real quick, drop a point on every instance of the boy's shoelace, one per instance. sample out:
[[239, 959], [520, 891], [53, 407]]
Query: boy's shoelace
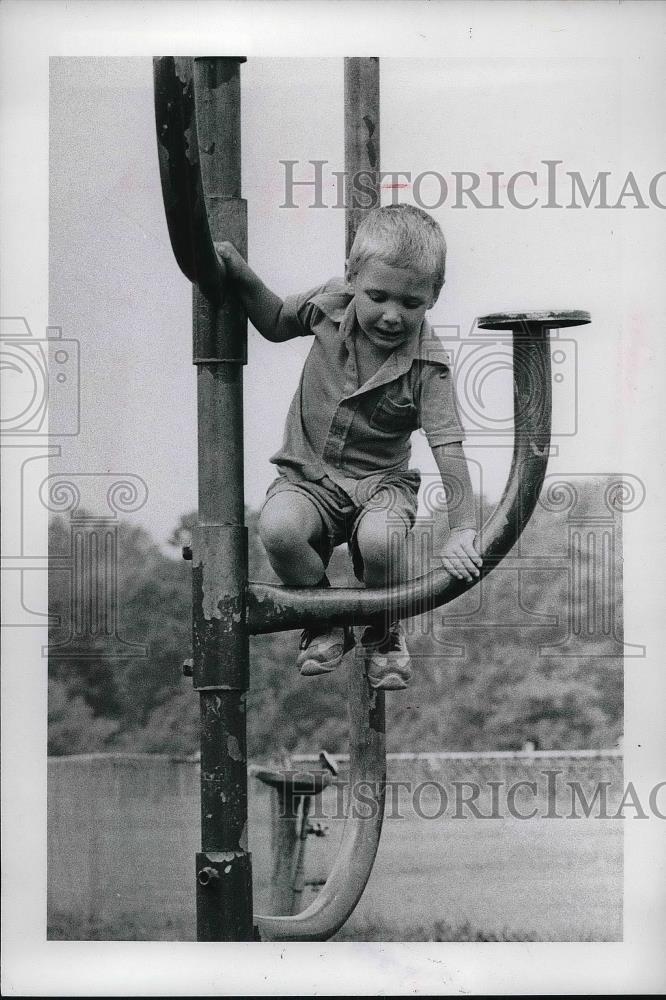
[[385, 643], [307, 635]]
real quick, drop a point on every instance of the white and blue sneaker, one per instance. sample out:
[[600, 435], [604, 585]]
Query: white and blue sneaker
[[321, 651], [387, 661]]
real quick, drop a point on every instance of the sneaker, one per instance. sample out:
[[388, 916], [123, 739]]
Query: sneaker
[[387, 661], [322, 651]]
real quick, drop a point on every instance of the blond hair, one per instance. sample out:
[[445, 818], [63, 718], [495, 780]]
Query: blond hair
[[402, 236]]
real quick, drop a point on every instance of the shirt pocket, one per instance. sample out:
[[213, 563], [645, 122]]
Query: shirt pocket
[[394, 415]]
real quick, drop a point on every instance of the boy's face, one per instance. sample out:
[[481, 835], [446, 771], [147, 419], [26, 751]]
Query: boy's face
[[391, 302]]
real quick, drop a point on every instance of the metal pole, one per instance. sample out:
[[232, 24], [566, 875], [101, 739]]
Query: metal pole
[[298, 883], [367, 765], [219, 544], [285, 845], [362, 163]]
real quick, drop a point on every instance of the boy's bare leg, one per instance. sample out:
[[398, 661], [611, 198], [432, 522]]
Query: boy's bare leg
[[290, 527], [382, 545], [381, 542]]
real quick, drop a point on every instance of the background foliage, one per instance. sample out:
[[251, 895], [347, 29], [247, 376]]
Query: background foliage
[[494, 693]]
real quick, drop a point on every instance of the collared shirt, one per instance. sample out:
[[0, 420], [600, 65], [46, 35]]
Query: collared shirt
[[356, 434]]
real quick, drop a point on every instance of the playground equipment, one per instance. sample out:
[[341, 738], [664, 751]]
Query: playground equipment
[[197, 104], [293, 794]]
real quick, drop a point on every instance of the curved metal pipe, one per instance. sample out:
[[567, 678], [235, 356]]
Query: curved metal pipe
[[180, 174], [272, 608], [275, 608], [363, 826]]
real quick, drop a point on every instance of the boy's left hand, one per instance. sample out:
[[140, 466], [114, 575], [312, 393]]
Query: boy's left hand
[[459, 555]]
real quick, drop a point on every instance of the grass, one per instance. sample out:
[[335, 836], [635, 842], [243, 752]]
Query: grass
[[65, 927], [439, 930], [122, 841]]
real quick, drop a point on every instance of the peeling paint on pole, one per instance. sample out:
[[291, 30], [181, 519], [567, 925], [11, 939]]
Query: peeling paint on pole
[[219, 640]]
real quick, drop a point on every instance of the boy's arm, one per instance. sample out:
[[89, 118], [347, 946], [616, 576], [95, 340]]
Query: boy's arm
[[262, 306], [459, 556]]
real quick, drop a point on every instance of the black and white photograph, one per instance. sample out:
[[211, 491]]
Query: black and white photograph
[[332, 498]]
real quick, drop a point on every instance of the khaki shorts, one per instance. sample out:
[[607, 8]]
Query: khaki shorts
[[396, 493]]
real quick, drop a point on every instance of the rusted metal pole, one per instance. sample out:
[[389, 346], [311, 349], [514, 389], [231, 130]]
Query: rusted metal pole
[[180, 173], [360, 839], [362, 151], [219, 543], [285, 847], [367, 751], [298, 883], [290, 789], [365, 707]]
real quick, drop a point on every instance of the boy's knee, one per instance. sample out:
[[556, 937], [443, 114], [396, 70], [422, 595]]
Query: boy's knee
[[374, 541], [381, 545], [275, 531], [281, 528]]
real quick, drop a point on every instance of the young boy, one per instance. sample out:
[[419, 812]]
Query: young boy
[[373, 375]]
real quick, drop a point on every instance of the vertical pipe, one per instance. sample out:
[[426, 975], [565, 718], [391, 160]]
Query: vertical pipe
[[285, 846], [298, 883], [366, 708], [362, 151], [362, 147], [219, 544]]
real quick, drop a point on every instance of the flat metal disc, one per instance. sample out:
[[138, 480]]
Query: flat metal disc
[[556, 319], [297, 782]]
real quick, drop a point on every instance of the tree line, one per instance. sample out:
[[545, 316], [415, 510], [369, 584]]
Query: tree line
[[481, 679]]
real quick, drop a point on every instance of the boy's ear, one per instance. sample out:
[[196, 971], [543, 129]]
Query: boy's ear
[[435, 296]]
